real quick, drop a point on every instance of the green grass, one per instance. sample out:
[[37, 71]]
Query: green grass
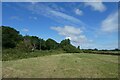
[[70, 65]]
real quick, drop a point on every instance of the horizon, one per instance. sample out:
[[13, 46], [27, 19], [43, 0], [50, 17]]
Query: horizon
[[71, 20]]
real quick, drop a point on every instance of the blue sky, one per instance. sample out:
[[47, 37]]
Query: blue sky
[[88, 24]]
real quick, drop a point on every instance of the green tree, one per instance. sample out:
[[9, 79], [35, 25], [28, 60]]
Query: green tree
[[96, 49], [27, 43], [78, 47], [34, 42], [51, 44], [64, 43], [71, 49], [31, 42], [10, 37], [68, 47], [42, 44]]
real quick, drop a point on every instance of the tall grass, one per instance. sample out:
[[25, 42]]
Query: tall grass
[[13, 54]]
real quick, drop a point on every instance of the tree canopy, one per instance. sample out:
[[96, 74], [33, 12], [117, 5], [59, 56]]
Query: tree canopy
[[51, 44], [10, 37], [13, 39]]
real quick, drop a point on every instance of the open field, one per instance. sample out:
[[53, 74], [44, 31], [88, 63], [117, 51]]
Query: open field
[[70, 65]]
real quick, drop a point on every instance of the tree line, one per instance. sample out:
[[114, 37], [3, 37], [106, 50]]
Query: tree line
[[17, 46], [11, 38]]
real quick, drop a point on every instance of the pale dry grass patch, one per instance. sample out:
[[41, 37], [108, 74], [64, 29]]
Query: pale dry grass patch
[[70, 65]]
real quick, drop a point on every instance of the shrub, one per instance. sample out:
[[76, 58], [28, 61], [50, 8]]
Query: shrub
[[71, 49]]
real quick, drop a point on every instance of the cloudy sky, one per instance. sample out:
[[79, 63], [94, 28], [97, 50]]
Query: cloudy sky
[[88, 24]]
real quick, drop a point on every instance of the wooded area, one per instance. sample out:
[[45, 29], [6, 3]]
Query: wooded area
[[13, 39], [13, 43]]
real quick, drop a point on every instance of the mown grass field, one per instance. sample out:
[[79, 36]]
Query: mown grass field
[[70, 65]]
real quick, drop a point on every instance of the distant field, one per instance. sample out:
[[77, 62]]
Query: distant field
[[70, 65]]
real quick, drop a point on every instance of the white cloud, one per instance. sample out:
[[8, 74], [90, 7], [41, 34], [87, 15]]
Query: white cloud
[[110, 24], [25, 30], [67, 30], [78, 12], [97, 6], [66, 17], [54, 14], [79, 39], [72, 33]]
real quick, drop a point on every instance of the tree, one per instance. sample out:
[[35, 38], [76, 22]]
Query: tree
[[51, 44], [64, 43], [31, 42], [116, 49], [42, 44], [27, 43], [68, 47], [78, 47], [34, 42], [10, 37], [96, 49]]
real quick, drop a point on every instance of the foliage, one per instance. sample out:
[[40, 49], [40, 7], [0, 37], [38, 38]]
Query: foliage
[[42, 44], [68, 47], [10, 37], [64, 43], [35, 42], [78, 47], [13, 54], [16, 46], [51, 44]]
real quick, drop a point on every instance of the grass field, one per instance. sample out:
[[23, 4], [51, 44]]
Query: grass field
[[70, 65]]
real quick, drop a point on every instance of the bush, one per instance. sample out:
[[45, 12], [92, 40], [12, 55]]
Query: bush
[[13, 54], [71, 49], [10, 54], [87, 51]]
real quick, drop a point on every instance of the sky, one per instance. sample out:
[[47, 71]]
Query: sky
[[86, 24]]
